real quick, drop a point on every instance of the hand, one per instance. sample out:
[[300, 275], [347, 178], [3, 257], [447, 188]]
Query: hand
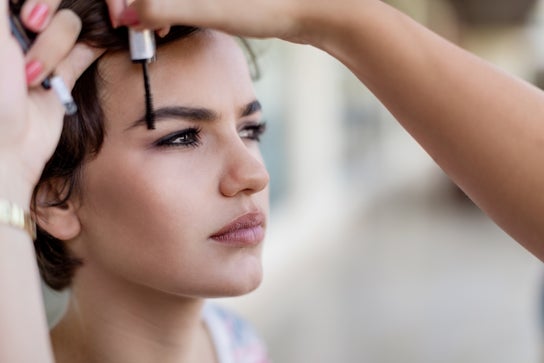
[[258, 18], [31, 118]]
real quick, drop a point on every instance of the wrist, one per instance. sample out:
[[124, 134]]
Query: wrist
[[362, 34], [17, 216], [325, 23], [14, 186], [15, 198]]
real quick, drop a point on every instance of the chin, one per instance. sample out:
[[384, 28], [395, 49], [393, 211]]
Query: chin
[[245, 289], [243, 284], [242, 276]]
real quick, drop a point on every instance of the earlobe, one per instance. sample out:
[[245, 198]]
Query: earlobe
[[53, 214]]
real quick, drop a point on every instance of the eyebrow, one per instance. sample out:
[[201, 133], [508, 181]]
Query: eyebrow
[[196, 114]]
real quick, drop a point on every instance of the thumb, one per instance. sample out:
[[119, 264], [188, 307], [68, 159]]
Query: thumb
[[77, 61]]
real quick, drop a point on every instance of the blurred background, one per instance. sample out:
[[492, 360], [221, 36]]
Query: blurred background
[[372, 254]]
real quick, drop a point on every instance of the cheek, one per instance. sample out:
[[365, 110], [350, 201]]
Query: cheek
[[147, 225], [136, 189], [148, 221]]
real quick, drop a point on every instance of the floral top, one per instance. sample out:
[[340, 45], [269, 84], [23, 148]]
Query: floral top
[[234, 339]]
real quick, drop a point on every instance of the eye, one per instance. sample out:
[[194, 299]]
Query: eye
[[185, 138], [253, 131]]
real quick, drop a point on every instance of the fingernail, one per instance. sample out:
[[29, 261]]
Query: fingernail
[[36, 18], [129, 17], [114, 22], [33, 70], [162, 32]]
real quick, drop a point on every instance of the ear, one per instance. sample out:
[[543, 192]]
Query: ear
[[60, 220]]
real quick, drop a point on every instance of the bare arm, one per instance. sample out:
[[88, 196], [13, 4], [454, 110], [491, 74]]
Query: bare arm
[[30, 125], [24, 335], [483, 127]]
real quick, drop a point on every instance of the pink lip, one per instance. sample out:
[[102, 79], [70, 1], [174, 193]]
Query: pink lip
[[247, 230]]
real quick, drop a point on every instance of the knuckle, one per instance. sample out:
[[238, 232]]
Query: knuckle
[[70, 21], [149, 11]]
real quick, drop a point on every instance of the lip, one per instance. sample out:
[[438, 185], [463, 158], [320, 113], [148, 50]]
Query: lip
[[246, 230]]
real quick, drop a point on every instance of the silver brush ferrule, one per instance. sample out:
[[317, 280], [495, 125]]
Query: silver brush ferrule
[[142, 45]]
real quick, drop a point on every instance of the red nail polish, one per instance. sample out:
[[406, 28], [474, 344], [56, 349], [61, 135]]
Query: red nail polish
[[36, 18], [33, 70], [129, 17]]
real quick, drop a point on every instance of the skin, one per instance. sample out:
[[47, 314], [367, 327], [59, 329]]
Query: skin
[[482, 126], [487, 137], [145, 214], [28, 143], [30, 125]]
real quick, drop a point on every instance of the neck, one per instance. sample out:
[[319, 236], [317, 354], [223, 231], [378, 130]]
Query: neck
[[120, 322]]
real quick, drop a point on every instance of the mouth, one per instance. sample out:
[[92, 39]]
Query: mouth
[[247, 230]]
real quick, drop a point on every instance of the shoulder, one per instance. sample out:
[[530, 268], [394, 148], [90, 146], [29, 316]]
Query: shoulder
[[235, 339]]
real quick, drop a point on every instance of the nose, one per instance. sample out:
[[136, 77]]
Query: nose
[[244, 171]]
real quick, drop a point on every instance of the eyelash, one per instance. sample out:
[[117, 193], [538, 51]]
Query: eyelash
[[191, 137], [186, 138], [253, 131]]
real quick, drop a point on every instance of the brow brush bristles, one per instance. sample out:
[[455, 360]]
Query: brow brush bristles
[[149, 111], [142, 50]]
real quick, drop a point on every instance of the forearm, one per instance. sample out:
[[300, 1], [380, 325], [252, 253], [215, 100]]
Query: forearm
[[23, 327], [482, 126]]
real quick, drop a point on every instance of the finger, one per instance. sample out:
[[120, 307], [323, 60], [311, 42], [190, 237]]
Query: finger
[[154, 14], [115, 7], [162, 32], [37, 14], [77, 61], [4, 31], [231, 17], [52, 45]]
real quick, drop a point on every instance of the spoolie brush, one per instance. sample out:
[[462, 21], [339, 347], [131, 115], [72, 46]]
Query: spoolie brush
[[149, 111], [142, 50]]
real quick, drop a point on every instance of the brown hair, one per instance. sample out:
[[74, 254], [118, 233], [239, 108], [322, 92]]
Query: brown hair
[[82, 135]]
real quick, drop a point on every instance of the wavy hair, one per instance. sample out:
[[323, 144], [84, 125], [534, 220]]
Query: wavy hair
[[82, 135]]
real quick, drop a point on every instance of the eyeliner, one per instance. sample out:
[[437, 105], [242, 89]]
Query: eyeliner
[[51, 81]]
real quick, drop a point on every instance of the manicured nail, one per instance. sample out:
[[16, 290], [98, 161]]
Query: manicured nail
[[162, 32], [38, 15], [129, 17], [33, 70]]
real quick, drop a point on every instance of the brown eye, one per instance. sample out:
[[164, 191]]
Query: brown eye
[[253, 131], [188, 137]]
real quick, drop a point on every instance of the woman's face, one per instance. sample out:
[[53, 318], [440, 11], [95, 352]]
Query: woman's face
[[180, 209]]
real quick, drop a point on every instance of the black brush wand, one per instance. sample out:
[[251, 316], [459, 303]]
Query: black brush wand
[[142, 50]]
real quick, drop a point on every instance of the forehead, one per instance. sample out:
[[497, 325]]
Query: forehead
[[207, 68]]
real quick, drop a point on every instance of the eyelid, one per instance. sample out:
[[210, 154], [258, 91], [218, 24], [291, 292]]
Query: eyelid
[[257, 129], [191, 133]]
